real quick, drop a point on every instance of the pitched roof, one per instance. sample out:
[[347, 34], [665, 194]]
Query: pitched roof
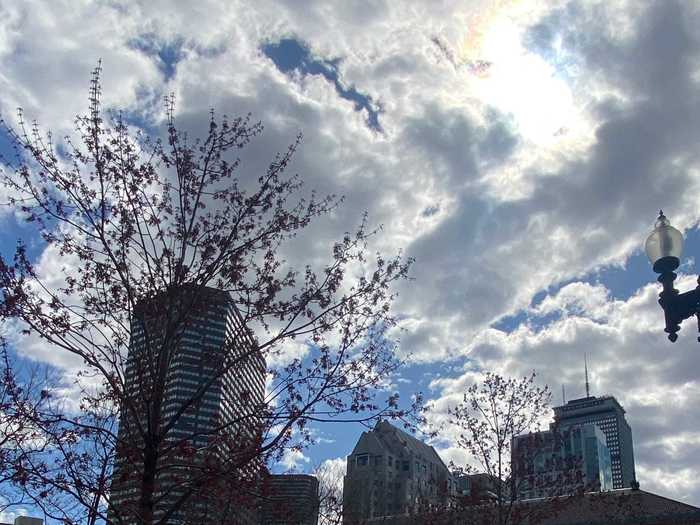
[[386, 437]]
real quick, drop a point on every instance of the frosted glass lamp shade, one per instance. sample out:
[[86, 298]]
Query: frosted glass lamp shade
[[664, 246]]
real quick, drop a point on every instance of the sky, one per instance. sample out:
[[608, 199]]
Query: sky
[[518, 150]]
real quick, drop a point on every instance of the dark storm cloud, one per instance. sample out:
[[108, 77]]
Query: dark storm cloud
[[459, 287], [318, 160], [498, 145], [463, 286], [448, 137]]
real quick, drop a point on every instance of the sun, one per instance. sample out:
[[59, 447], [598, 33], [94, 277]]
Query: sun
[[520, 83]]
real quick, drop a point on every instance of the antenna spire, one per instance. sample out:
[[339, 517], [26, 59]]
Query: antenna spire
[[585, 367], [563, 394]]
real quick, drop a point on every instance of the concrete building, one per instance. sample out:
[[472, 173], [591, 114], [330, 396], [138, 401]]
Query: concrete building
[[608, 415], [391, 472], [24, 520], [560, 462], [193, 342], [290, 499], [475, 489]]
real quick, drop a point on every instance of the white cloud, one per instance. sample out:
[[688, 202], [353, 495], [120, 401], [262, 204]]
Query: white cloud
[[8, 516], [53, 64], [286, 352], [628, 357], [331, 472], [577, 298], [495, 203], [293, 459]]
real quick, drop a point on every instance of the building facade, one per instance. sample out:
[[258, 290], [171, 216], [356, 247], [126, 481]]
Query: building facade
[[559, 462], [391, 472], [194, 365], [290, 499], [475, 489], [24, 520], [608, 415]]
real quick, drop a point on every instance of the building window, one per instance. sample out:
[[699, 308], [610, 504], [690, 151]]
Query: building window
[[362, 460]]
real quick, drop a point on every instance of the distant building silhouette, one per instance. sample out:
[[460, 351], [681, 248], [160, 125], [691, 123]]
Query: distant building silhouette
[[290, 499], [391, 472], [24, 520], [608, 415], [475, 489]]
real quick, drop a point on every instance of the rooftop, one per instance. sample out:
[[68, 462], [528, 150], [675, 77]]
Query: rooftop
[[589, 402], [386, 436]]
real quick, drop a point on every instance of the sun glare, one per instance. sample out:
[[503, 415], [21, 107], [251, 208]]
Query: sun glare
[[521, 84]]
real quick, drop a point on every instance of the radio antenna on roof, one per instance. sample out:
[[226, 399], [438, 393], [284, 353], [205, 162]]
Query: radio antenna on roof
[[585, 367]]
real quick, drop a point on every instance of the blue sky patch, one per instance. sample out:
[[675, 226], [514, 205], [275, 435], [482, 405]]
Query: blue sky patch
[[290, 55], [622, 282], [166, 54]]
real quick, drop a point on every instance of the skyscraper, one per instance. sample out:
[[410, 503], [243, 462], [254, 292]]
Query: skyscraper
[[195, 373], [391, 472], [608, 415]]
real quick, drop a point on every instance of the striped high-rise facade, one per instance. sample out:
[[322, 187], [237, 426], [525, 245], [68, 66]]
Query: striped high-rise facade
[[290, 499], [194, 364]]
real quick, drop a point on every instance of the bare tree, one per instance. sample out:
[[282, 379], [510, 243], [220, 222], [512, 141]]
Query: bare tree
[[330, 492], [491, 415], [22, 404], [149, 231]]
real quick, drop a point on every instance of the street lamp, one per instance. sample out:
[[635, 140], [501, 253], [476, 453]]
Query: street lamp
[[664, 247]]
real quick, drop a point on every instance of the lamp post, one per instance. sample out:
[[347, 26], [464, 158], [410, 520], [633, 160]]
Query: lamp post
[[664, 247]]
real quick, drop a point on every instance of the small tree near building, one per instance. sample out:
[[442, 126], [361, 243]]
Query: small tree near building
[[491, 415], [330, 492]]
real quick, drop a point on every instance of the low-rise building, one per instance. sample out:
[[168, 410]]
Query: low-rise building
[[290, 499], [475, 489], [25, 520]]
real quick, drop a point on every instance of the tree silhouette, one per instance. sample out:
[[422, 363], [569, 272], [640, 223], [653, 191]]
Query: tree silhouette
[[145, 232], [330, 487], [492, 414]]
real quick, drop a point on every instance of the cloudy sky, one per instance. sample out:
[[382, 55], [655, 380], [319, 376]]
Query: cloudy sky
[[519, 150]]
